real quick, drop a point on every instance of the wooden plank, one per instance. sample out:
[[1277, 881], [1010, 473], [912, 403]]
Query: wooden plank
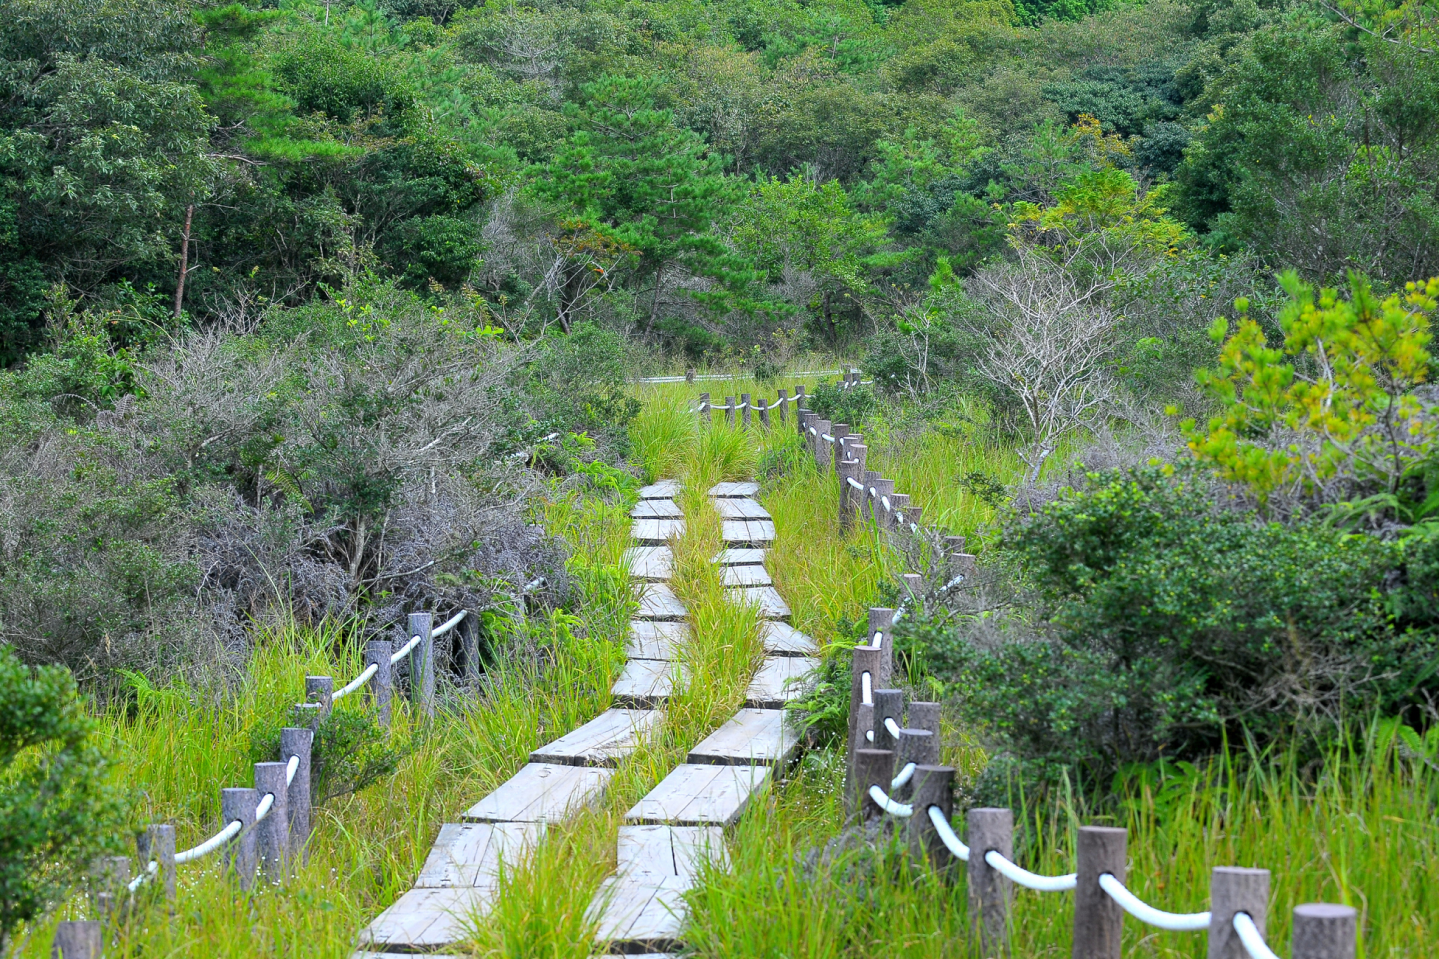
[[739, 556], [759, 737], [423, 920], [656, 509], [656, 532], [740, 509], [603, 741], [640, 913], [650, 562], [780, 679], [541, 792], [679, 851], [755, 532], [734, 489], [745, 576], [656, 639], [658, 601], [470, 854], [770, 603], [646, 683], [695, 794], [367, 954], [782, 639], [664, 489]]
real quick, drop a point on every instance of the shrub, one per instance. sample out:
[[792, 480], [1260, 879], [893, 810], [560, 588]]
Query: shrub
[[840, 405]]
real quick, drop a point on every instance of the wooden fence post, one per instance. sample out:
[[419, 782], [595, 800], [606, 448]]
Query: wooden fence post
[[321, 690], [298, 742], [109, 877], [800, 399], [839, 431], [272, 834], [1233, 889], [783, 402], [912, 516], [422, 663], [898, 504], [857, 453], [918, 746], [990, 893], [933, 786], [880, 621], [78, 940], [1323, 930], [872, 767], [926, 716], [869, 506], [729, 411], [378, 653], [157, 843], [846, 471], [240, 852], [865, 659], [821, 447], [888, 704], [467, 637], [744, 409], [1098, 920], [764, 413], [706, 414], [883, 517]]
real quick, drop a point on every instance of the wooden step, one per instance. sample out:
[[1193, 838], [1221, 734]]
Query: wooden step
[[658, 601], [471, 853], [750, 532], [664, 489], [782, 639], [759, 737], [740, 509], [650, 562], [700, 794], [541, 792], [426, 920], [656, 639], [656, 532], [646, 683], [603, 741], [656, 509], [745, 576], [766, 599], [734, 489], [678, 851], [780, 679], [739, 556], [642, 905]]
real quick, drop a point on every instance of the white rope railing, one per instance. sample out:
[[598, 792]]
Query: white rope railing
[[898, 809], [146, 875], [891, 726], [356, 683], [450, 624], [209, 845], [404, 650], [262, 809], [854, 483], [1145, 913], [1030, 880], [952, 842], [866, 687], [905, 775], [1251, 938]]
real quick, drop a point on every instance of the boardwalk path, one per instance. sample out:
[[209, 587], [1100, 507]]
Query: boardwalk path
[[670, 832]]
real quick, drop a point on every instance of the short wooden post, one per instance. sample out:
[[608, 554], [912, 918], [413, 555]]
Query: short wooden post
[[888, 704], [865, 659], [899, 505], [783, 402], [1324, 930], [1233, 889], [839, 431], [378, 653], [912, 516], [932, 786], [729, 411], [690, 374], [990, 893], [918, 746], [845, 470], [744, 405], [953, 544], [298, 742], [801, 401], [925, 716], [240, 853], [872, 767], [763, 410], [422, 664], [157, 844], [857, 453], [308, 715], [467, 640], [1098, 920], [109, 876], [883, 515], [881, 618], [821, 445], [869, 505], [272, 834], [321, 689], [706, 414], [78, 940], [913, 585]]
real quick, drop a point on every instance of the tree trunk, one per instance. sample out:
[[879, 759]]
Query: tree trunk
[[655, 300], [184, 261]]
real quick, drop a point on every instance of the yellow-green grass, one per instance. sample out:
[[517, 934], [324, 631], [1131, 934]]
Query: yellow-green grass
[[180, 745]]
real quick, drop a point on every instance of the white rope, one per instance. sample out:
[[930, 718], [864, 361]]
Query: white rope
[[404, 650], [1030, 880], [1249, 935], [877, 638], [889, 805], [873, 492], [826, 437], [450, 624], [813, 431], [209, 845], [946, 834], [148, 873], [891, 726], [263, 807], [357, 682], [855, 483], [905, 775], [866, 689], [1145, 913], [885, 501], [291, 769]]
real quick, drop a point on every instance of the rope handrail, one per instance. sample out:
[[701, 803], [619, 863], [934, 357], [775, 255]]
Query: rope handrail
[[356, 683], [881, 800], [947, 835], [854, 483], [905, 775], [1145, 913], [209, 845], [450, 624], [1030, 880], [891, 726], [1251, 938], [404, 650], [866, 689]]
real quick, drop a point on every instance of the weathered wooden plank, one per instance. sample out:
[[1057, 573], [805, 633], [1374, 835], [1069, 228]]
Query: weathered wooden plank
[[656, 509], [664, 489], [745, 576], [656, 639], [541, 792], [650, 562], [782, 639], [734, 489], [767, 599], [658, 601], [647, 683], [679, 851], [759, 737], [367, 954], [470, 854], [603, 741], [696, 794], [640, 912], [739, 556], [751, 531], [656, 532], [423, 920], [779, 680], [740, 509]]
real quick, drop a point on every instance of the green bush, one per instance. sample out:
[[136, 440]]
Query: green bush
[[838, 405]]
